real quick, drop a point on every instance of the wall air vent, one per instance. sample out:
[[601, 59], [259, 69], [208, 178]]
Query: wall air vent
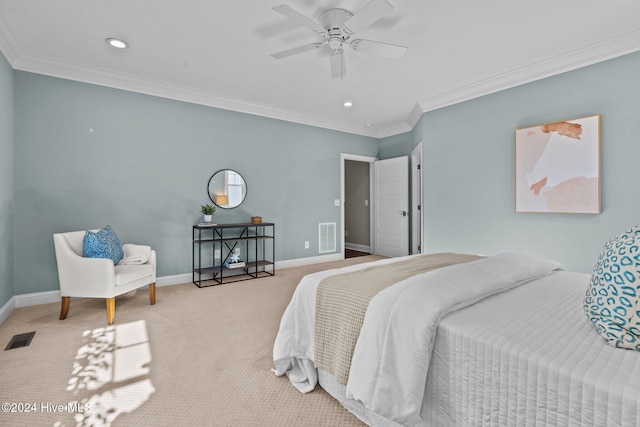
[[20, 340], [327, 237]]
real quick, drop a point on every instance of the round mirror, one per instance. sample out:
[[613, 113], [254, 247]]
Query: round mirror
[[227, 188]]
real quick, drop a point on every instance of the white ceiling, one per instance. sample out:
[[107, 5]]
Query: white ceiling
[[217, 52]]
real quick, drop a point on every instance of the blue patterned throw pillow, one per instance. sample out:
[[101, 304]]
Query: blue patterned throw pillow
[[612, 301], [102, 244]]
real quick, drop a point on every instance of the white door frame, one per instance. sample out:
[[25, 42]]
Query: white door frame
[[358, 158], [417, 220]]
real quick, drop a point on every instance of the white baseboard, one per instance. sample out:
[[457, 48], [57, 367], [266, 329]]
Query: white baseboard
[[176, 279], [37, 298], [47, 297], [6, 309], [356, 247], [26, 300], [309, 260]]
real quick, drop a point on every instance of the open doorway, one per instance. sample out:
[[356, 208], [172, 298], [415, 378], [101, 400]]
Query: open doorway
[[375, 217], [356, 176], [357, 212]]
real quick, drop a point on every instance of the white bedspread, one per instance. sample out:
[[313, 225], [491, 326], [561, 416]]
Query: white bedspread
[[530, 357], [391, 359]]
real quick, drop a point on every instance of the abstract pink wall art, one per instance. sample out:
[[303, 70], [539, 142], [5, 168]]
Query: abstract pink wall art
[[558, 167]]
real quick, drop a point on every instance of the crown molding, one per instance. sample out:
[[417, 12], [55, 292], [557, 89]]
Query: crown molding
[[603, 50], [101, 77], [114, 80], [396, 130], [8, 45], [415, 115]]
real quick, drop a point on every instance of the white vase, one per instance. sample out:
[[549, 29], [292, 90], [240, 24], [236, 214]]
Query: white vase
[[208, 218]]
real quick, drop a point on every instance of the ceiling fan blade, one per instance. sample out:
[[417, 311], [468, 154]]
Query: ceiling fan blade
[[299, 18], [379, 48], [295, 50], [338, 66], [369, 14]]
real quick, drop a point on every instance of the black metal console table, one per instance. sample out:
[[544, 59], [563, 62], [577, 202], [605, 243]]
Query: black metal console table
[[214, 245]]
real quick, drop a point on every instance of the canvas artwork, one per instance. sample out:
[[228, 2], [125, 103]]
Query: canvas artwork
[[558, 167]]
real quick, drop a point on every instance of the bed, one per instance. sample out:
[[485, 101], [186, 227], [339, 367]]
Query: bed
[[501, 340]]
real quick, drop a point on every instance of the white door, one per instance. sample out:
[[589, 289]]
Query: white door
[[391, 218]]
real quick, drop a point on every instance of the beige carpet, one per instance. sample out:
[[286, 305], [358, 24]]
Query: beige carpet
[[199, 357]]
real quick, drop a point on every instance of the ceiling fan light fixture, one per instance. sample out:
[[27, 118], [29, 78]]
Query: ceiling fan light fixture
[[117, 43], [336, 26]]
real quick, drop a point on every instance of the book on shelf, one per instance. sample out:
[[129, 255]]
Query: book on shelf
[[207, 224], [239, 264]]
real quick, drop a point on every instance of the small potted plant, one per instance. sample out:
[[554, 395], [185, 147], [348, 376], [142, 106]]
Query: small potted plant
[[207, 211]]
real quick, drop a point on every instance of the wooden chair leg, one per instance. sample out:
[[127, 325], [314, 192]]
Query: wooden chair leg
[[111, 310], [152, 293], [64, 309]]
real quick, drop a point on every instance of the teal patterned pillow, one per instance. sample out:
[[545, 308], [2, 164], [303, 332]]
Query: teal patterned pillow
[[612, 301], [102, 244]]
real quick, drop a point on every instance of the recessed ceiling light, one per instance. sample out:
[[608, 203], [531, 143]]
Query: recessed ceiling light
[[369, 124], [348, 104], [120, 44]]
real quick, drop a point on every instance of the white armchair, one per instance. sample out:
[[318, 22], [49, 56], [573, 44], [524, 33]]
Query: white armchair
[[98, 277]]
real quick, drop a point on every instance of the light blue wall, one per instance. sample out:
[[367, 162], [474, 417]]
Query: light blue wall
[[87, 156], [6, 181], [468, 150], [396, 146]]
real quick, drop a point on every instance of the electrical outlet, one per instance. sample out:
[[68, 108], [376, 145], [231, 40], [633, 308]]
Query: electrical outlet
[[216, 253], [306, 245], [236, 251]]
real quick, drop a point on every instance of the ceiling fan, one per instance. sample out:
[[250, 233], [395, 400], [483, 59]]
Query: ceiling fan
[[336, 27]]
